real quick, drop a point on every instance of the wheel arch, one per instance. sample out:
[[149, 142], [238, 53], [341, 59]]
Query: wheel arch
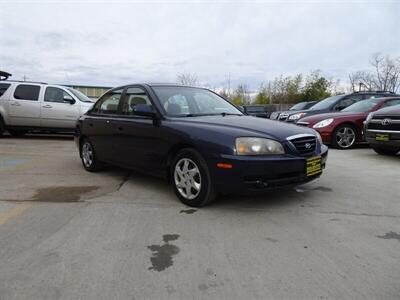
[[175, 149], [352, 124], [81, 138]]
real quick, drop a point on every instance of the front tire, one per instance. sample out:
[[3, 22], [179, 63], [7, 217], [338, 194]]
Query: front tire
[[89, 157], [191, 179], [383, 151], [344, 137]]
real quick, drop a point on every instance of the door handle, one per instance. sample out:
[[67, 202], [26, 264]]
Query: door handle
[[15, 104], [47, 106], [108, 121], [91, 124], [120, 129]]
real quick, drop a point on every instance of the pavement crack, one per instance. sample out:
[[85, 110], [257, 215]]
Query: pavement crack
[[124, 180]]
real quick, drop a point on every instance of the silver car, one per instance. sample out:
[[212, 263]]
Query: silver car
[[31, 106]]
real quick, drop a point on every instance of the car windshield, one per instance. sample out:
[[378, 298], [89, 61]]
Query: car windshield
[[82, 97], [362, 106], [298, 106], [187, 101], [326, 103]]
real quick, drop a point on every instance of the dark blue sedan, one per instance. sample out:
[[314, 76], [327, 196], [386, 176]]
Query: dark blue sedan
[[197, 140]]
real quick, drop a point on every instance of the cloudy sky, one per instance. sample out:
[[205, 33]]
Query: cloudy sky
[[117, 42]]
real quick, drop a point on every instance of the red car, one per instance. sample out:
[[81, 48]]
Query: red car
[[344, 129]]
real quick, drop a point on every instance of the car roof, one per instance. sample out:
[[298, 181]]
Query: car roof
[[146, 84], [372, 92], [23, 81]]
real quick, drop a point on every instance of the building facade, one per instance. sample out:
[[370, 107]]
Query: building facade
[[93, 92]]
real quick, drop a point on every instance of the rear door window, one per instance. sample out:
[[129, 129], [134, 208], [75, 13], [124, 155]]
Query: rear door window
[[27, 92], [3, 88]]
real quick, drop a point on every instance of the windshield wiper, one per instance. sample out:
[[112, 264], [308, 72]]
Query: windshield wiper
[[229, 114], [210, 114]]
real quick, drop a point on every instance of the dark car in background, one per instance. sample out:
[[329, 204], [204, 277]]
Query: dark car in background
[[282, 115], [344, 129], [382, 130], [255, 110], [336, 103], [197, 140]]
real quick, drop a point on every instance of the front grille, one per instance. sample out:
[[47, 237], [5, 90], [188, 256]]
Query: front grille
[[304, 145], [283, 117], [393, 125]]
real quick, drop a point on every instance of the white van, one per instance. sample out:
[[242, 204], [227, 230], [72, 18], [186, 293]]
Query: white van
[[30, 106]]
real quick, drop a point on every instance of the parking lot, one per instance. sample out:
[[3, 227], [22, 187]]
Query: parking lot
[[69, 234]]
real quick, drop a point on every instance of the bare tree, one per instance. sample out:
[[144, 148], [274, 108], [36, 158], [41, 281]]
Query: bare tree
[[387, 72], [189, 79], [384, 77], [362, 80]]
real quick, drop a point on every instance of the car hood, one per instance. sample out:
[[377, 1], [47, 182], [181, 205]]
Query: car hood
[[287, 111], [247, 126], [392, 110], [334, 115]]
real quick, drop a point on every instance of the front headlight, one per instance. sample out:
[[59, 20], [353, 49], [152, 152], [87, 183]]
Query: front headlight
[[323, 123], [257, 146], [297, 116]]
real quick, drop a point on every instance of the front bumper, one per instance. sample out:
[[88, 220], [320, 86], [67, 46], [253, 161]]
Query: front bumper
[[257, 174], [392, 143]]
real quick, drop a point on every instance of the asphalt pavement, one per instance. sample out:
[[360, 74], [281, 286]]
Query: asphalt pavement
[[69, 234]]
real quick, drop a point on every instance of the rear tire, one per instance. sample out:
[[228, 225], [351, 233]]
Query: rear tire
[[2, 127], [344, 137], [191, 179], [17, 132], [383, 151], [89, 157]]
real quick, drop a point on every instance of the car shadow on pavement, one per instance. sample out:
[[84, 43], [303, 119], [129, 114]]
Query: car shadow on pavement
[[158, 191], [268, 199], [139, 187]]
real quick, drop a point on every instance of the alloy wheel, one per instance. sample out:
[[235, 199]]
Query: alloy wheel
[[87, 154], [187, 178], [345, 137]]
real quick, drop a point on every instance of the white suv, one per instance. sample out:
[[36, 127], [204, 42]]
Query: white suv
[[29, 106]]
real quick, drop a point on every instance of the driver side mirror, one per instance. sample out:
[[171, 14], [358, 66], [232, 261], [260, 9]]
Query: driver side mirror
[[144, 110], [69, 99]]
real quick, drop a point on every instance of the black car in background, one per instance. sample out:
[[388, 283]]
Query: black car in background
[[382, 130], [197, 140], [282, 115], [255, 110], [336, 103]]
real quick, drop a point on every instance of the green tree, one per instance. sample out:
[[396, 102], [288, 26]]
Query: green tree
[[317, 87], [241, 95], [262, 96]]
